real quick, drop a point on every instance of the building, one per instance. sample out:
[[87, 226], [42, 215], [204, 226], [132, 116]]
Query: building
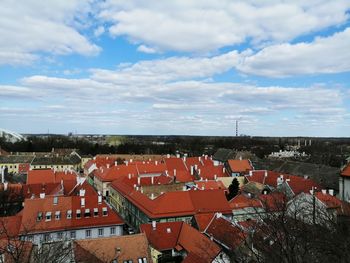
[[344, 183], [57, 162], [177, 241], [136, 207], [55, 218], [239, 167], [15, 163], [131, 248]]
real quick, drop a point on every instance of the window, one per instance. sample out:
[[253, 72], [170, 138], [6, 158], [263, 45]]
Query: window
[[88, 233], [100, 232], [48, 216], [112, 230], [87, 213], [142, 260], [78, 213], [60, 235], [58, 215], [47, 237], [127, 261], [104, 211], [40, 216], [95, 211], [30, 238], [72, 234], [69, 214]]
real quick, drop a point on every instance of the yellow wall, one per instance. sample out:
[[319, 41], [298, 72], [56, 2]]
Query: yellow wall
[[61, 168], [12, 167]]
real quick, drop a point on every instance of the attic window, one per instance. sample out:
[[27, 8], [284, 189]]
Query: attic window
[[104, 211], [40, 216], [58, 215], [87, 212], [95, 211], [69, 214], [78, 213], [55, 200], [48, 216], [142, 260]]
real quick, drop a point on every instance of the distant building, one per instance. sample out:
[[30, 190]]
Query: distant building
[[344, 184], [239, 167]]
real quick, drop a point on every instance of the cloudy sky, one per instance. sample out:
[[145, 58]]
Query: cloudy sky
[[282, 68]]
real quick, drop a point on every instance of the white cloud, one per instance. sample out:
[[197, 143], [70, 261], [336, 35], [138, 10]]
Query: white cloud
[[29, 27], [201, 26], [99, 31], [323, 55], [146, 49]]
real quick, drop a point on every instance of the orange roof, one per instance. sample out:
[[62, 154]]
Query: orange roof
[[125, 248], [10, 226], [32, 207], [181, 236], [203, 220], [346, 171], [164, 236], [240, 166], [180, 203], [109, 174], [275, 201], [226, 233], [100, 161], [210, 184], [49, 176], [242, 201]]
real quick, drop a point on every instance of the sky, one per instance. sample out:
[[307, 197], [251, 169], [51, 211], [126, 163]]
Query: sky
[[179, 67]]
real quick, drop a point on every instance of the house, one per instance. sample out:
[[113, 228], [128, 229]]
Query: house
[[344, 183], [170, 203], [57, 162], [55, 218], [222, 155], [44, 176], [230, 236], [239, 167], [318, 207], [131, 248], [174, 241], [17, 164]]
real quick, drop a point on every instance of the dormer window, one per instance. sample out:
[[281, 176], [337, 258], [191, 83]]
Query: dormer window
[[78, 213], [40, 216], [69, 214], [104, 211], [95, 211], [87, 212], [48, 216], [58, 215]]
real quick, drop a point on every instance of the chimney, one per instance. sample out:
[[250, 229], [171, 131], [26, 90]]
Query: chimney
[[82, 192], [203, 187], [115, 163], [154, 225], [99, 199], [206, 157], [168, 156], [82, 201], [192, 170], [5, 186], [324, 191], [3, 175], [240, 158], [223, 170], [265, 174], [331, 192], [199, 158], [130, 160], [126, 163], [138, 180], [129, 176], [152, 179], [156, 162], [250, 173], [42, 195], [107, 165], [65, 171], [168, 230], [215, 177], [199, 171], [152, 196], [265, 192]]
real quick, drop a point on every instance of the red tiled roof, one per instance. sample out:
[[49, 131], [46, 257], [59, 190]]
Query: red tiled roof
[[131, 247], [10, 226], [49, 176], [203, 220], [275, 201], [242, 201], [100, 161], [196, 243], [224, 232], [301, 185], [210, 184], [329, 200], [175, 163], [109, 174], [179, 203], [164, 236], [181, 236], [33, 206], [346, 171], [240, 166]]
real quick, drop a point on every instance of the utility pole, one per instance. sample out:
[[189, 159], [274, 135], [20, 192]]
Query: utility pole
[[313, 206], [236, 128]]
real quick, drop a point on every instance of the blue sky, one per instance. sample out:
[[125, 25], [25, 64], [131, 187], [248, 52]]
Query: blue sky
[[175, 67]]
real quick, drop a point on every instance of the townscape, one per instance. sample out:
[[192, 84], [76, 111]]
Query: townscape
[[166, 208]]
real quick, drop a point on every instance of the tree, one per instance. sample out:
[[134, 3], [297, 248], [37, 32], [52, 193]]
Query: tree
[[233, 189]]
